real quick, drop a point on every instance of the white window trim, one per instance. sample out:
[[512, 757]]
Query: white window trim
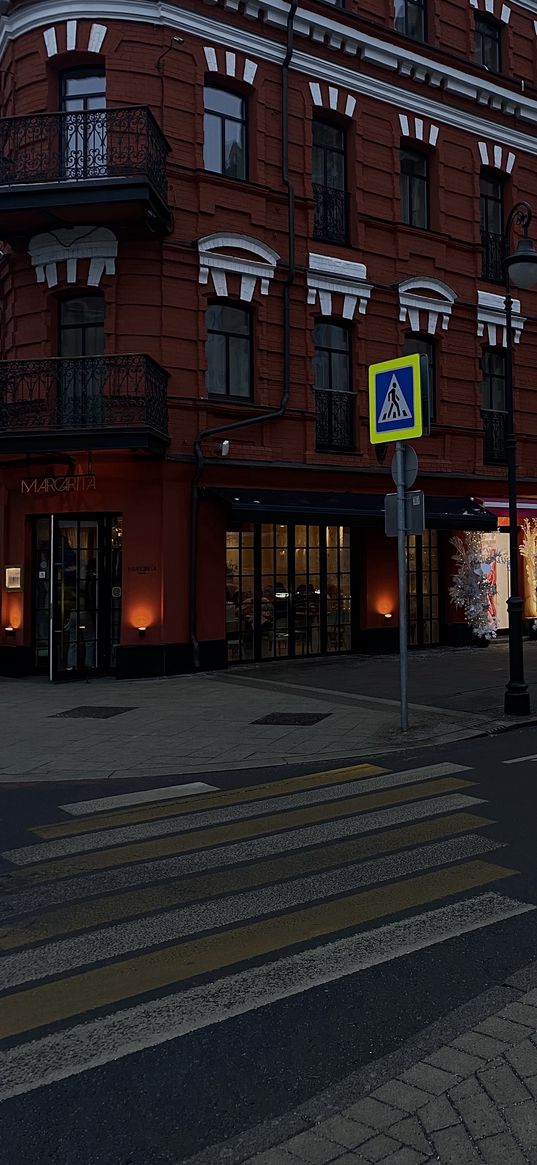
[[328, 276], [412, 305], [491, 318]]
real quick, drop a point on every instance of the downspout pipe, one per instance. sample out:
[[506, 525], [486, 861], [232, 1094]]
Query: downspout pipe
[[203, 434]]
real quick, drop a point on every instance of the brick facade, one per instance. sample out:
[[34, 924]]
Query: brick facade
[[385, 91]]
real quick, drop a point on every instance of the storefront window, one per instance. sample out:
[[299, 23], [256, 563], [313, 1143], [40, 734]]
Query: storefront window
[[288, 591]]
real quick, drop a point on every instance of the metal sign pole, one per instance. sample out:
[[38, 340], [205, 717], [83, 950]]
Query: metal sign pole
[[401, 564]]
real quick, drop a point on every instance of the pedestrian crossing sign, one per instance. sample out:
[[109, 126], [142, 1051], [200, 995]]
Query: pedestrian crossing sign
[[395, 394]]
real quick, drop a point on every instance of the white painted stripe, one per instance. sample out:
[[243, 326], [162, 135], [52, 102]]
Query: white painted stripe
[[511, 159], [170, 792], [210, 57], [315, 91], [484, 154], [51, 44], [112, 1037], [505, 14], [230, 64], [71, 35], [145, 873], [163, 827], [249, 72], [350, 105], [498, 157], [333, 95], [111, 942], [403, 122], [96, 37], [518, 760], [418, 128], [433, 135]]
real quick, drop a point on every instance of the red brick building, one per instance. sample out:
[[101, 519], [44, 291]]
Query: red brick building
[[215, 216]]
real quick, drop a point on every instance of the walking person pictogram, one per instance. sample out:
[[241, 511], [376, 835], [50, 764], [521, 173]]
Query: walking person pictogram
[[395, 407]]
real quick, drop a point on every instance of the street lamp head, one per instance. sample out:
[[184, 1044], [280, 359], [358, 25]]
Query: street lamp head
[[522, 264]]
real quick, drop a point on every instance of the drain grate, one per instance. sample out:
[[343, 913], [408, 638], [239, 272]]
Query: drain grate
[[295, 718], [92, 712]]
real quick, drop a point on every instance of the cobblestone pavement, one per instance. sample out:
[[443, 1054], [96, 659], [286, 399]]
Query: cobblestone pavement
[[474, 1100]]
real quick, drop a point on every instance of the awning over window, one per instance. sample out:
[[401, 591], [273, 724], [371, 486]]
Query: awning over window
[[347, 509]]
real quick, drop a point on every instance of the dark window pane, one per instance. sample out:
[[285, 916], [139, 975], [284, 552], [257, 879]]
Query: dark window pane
[[215, 351], [414, 189], [239, 367], [235, 153], [340, 372], [224, 149], [228, 351], [488, 43], [328, 135], [410, 18], [321, 369], [224, 102], [212, 143]]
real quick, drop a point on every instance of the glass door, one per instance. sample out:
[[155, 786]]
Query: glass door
[[81, 381], [76, 594], [423, 589], [83, 101], [288, 591], [76, 563]]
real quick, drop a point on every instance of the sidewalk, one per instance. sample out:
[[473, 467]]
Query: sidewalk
[[471, 1100], [209, 722]]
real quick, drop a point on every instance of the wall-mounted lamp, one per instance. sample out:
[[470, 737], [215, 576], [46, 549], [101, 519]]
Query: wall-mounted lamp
[[387, 614], [9, 630], [142, 631]]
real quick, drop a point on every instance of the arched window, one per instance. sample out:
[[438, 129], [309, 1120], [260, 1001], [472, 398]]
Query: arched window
[[488, 42], [83, 129], [493, 376], [228, 351], [334, 402], [81, 375], [492, 219], [225, 133], [411, 18], [414, 188], [329, 168]]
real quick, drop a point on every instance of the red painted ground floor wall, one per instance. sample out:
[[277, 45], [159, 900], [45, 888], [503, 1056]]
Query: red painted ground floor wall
[[153, 499]]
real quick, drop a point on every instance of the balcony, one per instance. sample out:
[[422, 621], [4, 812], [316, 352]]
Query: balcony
[[493, 248], [334, 421], [92, 402], [494, 437], [110, 163], [331, 214]]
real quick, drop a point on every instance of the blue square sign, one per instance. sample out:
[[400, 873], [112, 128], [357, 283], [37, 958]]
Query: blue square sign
[[395, 400]]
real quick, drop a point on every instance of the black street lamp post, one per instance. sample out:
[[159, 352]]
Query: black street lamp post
[[520, 271]]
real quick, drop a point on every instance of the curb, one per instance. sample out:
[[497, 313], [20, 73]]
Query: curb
[[359, 1084]]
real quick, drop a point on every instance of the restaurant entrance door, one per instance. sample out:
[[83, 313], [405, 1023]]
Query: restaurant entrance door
[[76, 594], [288, 591]]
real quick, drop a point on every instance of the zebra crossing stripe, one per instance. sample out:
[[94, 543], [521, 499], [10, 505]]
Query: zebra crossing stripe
[[271, 792], [225, 869], [62, 999], [289, 810], [259, 827], [97, 1042], [58, 958]]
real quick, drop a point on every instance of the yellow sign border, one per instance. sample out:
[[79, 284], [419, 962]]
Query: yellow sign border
[[416, 429]]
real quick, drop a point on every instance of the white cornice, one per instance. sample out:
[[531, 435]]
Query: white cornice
[[322, 29]]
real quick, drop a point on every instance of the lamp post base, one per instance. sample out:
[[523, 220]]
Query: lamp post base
[[517, 700]]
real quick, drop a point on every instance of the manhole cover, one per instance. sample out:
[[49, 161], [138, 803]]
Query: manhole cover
[[296, 718], [92, 712]]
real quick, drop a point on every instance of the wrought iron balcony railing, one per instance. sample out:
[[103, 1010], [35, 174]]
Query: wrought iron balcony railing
[[89, 394], [331, 214], [85, 146], [494, 434], [493, 249], [334, 420]]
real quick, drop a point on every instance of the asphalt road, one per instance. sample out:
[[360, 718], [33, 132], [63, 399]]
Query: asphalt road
[[284, 938]]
